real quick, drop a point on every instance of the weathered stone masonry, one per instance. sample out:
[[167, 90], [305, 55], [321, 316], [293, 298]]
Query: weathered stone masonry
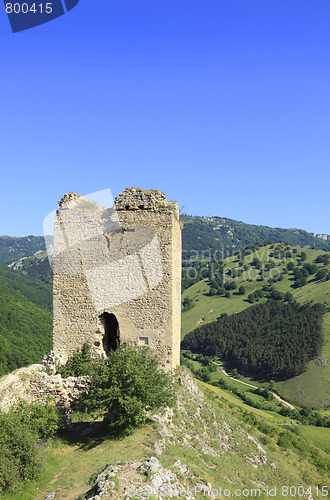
[[117, 272]]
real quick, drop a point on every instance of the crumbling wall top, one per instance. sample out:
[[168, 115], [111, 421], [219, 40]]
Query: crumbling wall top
[[139, 199], [69, 197]]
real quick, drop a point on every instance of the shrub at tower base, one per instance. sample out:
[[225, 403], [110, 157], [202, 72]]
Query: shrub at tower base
[[123, 386], [23, 431]]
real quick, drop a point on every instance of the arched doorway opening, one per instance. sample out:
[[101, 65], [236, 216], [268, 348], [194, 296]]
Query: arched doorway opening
[[111, 332]]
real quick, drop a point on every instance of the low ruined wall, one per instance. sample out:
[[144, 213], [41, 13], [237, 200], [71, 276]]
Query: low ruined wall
[[34, 385]]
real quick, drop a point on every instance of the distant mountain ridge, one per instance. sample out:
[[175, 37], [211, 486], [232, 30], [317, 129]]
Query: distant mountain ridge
[[221, 233], [14, 248], [199, 234]]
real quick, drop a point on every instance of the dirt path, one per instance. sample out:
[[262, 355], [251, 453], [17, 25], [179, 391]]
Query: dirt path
[[282, 401], [285, 403], [240, 381]]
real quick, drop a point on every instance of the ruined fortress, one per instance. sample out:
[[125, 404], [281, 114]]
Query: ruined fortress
[[117, 274]]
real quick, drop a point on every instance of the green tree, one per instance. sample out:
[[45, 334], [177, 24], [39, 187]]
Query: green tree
[[321, 274], [42, 418], [288, 297], [272, 384], [78, 364], [241, 290], [124, 385], [19, 457], [187, 304], [323, 259], [20, 432]]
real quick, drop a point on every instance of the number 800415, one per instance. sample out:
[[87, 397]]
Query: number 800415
[[24, 8]]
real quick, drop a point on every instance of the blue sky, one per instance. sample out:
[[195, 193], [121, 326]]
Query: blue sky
[[222, 104]]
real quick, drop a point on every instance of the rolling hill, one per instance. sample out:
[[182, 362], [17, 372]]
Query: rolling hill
[[253, 273], [253, 448], [36, 266]]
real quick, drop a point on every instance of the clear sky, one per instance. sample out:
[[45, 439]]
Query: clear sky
[[222, 104]]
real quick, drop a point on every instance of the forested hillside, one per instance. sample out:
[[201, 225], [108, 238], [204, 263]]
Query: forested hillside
[[25, 320], [274, 338], [13, 249]]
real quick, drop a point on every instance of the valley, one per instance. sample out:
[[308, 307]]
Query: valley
[[231, 428]]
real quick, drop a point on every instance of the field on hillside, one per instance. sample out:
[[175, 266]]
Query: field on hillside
[[311, 387]]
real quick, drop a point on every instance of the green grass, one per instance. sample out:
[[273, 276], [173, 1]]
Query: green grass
[[319, 436], [272, 406], [313, 386], [232, 398], [70, 466], [207, 309]]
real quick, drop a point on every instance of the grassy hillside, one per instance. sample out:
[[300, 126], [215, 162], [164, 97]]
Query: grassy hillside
[[25, 320], [218, 444], [313, 386]]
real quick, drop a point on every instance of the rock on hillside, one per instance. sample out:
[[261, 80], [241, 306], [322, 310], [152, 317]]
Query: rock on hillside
[[203, 438]]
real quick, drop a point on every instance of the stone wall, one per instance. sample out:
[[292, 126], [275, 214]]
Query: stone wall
[[34, 385], [124, 261]]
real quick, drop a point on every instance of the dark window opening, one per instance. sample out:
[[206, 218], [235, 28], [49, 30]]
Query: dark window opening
[[111, 332]]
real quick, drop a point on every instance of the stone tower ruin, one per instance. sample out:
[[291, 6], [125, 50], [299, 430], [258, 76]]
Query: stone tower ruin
[[117, 274]]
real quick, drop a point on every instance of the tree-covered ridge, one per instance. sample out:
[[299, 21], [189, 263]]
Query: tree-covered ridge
[[215, 233], [274, 338], [199, 234], [37, 267], [13, 249], [25, 320]]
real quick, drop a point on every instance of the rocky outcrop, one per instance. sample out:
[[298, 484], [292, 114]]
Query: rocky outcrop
[[324, 237], [129, 481]]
